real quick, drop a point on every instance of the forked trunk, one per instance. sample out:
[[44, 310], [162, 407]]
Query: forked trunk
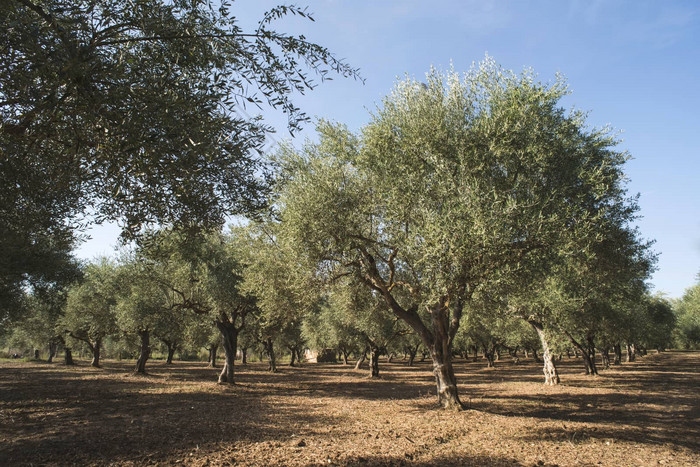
[[145, 351], [551, 376], [361, 360], [345, 356], [589, 363], [617, 350], [441, 354], [631, 353], [171, 352], [374, 361], [489, 355], [229, 333], [53, 349]]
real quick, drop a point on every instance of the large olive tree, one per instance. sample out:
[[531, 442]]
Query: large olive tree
[[457, 188]]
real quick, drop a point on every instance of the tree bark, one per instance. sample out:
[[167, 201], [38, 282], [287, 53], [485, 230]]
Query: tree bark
[[441, 353], [345, 354], [145, 336], [36, 354], [229, 333], [412, 352], [631, 354], [489, 354], [361, 360], [171, 352], [373, 361], [244, 356], [293, 357], [212, 355], [68, 356], [95, 348], [551, 375], [270, 351], [53, 350], [617, 350], [605, 358], [589, 363]]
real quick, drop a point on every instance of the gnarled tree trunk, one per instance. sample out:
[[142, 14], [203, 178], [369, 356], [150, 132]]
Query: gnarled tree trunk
[[412, 352], [631, 352], [212, 355], [361, 360], [145, 336], [68, 356], [373, 361], [617, 350], [270, 351], [95, 349], [551, 376], [229, 333], [53, 350], [589, 363]]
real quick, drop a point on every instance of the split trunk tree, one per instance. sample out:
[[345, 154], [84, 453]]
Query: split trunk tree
[[145, 336], [551, 376]]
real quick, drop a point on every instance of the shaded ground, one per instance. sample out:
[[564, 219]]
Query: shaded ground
[[643, 413]]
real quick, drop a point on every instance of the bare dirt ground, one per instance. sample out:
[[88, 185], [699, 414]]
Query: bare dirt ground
[[642, 413]]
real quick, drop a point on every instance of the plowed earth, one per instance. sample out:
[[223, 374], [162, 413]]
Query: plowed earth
[[641, 413]]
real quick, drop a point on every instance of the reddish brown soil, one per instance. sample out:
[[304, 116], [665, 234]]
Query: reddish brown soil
[[643, 413]]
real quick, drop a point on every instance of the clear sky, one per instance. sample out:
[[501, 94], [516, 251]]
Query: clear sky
[[632, 64]]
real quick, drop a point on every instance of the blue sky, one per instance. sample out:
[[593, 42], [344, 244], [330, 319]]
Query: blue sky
[[632, 64]]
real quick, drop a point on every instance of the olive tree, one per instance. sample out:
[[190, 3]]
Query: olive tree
[[90, 306], [457, 187]]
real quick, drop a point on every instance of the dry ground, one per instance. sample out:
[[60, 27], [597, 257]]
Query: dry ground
[[643, 413]]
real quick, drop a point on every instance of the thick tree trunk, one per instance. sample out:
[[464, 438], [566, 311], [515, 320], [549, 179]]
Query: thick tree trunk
[[68, 356], [36, 354], [551, 376], [412, 352], [345, 354], [441, 354], [373, 361], [631, 353], [53, 350], [589, 363], [96, 353], [244, 355], [212, 355], [229, 333], [270, 351], [535, 356], [476, 353], [361, 360], [145, 336], [617, 350]]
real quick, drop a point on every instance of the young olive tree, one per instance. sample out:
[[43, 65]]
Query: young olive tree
[[457, 187]]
